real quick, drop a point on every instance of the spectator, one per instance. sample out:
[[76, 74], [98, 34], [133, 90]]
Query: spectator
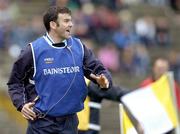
[[163, 38], [8, 14], [145, 29], [161, 66], [142, 60], [174, 60], [109, 56]]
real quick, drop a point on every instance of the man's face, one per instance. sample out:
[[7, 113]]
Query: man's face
[[160, 67], [64, 25]]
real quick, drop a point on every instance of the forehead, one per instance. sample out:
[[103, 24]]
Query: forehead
[[62, 16], [161, 63]]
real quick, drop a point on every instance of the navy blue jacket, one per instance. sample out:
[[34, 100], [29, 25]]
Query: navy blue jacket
[[21, 91]]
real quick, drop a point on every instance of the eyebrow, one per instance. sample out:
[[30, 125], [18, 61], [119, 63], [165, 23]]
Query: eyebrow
[[67, 19]]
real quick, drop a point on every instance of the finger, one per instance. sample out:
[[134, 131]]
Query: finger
[[103, 78], [24, 116], [28, 109], [35, 99], [27, 116], [104, 81], [94, 76], [31, 104], [29, 112], [107, 85]]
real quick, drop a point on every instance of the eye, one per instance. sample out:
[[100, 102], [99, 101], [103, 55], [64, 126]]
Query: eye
[[66, 20]]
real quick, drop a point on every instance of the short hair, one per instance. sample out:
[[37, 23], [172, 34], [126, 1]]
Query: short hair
[[160, 58], [52, 14]]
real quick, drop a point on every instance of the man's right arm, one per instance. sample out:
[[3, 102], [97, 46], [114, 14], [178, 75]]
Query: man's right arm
[[20, 71]]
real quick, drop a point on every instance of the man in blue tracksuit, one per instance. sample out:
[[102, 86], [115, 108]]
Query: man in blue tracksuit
[[55, 65]]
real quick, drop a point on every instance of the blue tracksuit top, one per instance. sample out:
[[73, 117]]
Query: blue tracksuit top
[[58, 76]]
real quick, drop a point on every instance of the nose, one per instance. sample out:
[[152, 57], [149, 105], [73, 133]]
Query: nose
[[70, 24]]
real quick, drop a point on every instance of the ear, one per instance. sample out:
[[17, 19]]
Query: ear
[[53, 25]]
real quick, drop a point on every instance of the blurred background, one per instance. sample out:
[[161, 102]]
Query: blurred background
[[126, 35]]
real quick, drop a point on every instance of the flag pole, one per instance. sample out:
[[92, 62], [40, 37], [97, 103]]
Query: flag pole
[[172, 86], [121, 118]]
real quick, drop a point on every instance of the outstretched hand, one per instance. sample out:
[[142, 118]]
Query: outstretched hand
[[101, 80]]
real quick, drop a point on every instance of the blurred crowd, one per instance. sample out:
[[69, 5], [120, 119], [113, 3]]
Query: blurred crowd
[[121, 40]]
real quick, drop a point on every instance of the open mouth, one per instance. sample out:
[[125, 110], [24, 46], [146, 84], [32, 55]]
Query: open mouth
[[68, 30]]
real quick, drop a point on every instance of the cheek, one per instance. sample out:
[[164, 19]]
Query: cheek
[[62, 28]]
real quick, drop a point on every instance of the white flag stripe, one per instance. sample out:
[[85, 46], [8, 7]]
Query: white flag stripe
[[148, 111]]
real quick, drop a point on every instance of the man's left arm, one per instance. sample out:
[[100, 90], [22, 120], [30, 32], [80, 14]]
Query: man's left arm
[[95, 70]]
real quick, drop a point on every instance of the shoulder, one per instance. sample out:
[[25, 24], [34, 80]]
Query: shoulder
[[26, 51], [25, 57], [176, 86], [79, 42], [76, 39], [38, 41], [146, 82]]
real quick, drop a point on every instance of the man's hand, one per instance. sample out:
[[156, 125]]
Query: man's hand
[[101, 80], [27, 111]]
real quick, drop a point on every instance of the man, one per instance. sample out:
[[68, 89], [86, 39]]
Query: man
[[55, 65], [161, 66], [89, 117]]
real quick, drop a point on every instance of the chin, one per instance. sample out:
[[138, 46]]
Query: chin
[[68, 36]]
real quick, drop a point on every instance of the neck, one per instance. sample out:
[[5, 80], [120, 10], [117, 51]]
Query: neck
[[154, 77], [55, 37]]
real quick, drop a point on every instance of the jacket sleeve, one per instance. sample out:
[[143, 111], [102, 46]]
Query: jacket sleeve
[[19, 77], [93, 65], [114, 93]]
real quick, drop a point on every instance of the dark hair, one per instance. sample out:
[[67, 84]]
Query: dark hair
[[164, 58], [52, 14]]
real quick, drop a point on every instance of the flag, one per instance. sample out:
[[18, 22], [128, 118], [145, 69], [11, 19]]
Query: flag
[[84, 115], [126, 126], [154, 107]]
